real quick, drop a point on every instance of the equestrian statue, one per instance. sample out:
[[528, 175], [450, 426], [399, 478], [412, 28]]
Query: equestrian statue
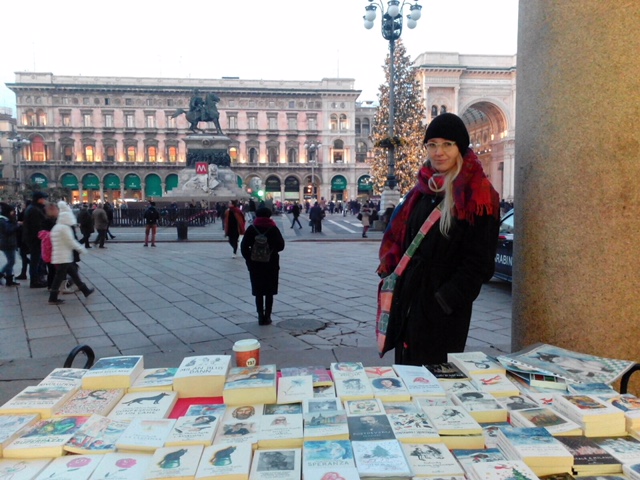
[[201, 111]]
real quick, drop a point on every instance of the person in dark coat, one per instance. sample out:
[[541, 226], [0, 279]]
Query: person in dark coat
[[108, 208], [233, 223], [295, 211], [85, 220], [263, 275], [34, 219], [8, 241], [315, 217], [432, 300], [22, 247], [101, 223]]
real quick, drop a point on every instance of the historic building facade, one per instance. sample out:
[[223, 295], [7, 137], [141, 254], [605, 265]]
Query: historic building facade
[[115, 138]]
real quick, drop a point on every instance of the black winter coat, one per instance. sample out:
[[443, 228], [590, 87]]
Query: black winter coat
[[431, 310], [8, 231], [263, 275]]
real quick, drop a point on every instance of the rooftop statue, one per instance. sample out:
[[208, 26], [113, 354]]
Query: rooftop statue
[[201, 111]]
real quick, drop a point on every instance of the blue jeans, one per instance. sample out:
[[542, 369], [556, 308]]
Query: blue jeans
[[11, 260]]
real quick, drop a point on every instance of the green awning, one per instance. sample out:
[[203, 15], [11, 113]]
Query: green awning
[[172, 182], [338, 183], [153, 186], [70, 181], [90, 182], [272, 184], [365, 184], [132, 182], [239, 180], [111, 182], [40, 180]]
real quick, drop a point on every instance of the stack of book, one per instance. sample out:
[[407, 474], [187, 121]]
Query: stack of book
[[483, 407], [113, 372], [432, 461], [589, 458], [547, 418], [381, 459], [351, 381], [283, 464], [201, 376], [420, 382], [475, 363], [456, 426], [154, 380], [321, 459], [595, 417], [250, 385], [501, 470]]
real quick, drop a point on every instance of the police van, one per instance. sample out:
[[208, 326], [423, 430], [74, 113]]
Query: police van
[[504, 254]]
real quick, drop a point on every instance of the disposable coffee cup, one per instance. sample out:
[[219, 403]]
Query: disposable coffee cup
[[247, 352]]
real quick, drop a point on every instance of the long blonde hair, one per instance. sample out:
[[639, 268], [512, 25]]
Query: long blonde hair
[[446, 221]]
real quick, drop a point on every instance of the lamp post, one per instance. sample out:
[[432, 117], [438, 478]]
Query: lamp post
[[17, 144], [313, 147], [391, 31]]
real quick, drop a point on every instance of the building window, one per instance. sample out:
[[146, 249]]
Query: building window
[[172, 154], [334, 123], [110, 154], [108, 120], [74, 101], [366, 127], [292, 155], [232, 103], [253, 155], [358, 129], [292, 104], [66, 119], [107, 101], [171, 122], [29, 119], [253, 123], [38, 150], [42, 119], [131, 154], [338, 151], [151, 121], [128, 101], [152, 154], [434, 110], [85, 101], [443, 109], [86, 119], [170, 102], [344, 125], [129, 120], [233, 153], [149, 101], [273, 123], [313, 123], [65, 100], [67, 153], [88, 153], [233, 122], [272, 104], [293, 123], [361, 152], [272, 153]]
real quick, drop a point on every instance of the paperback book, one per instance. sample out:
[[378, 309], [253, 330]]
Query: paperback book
[[98, 435], [13, 469], [600, 389], [413, 428], [483, 407], [467, 458], [154, 380], [432, 461], [347, 370], [243, 413], [329, 460], [370, 427], [113, 372], [518, 402], [458, 386], [390, 389], [320, 375], [280, 431], [324, 391], [193, 430], [143, 435], [216, 409], [46, 439], [201, 376], [547, 418], [250, 385], [419, 381], [87, 402], [225, 462], [588, 457], [64, 377], [373, 406], [281, 464], [353, 388], [174, 463], [379, 372], [43, 401], [502, 470], [383, 458], [282, 409], [596, 417], [295, 389], [624, 449], [122, 466], [497, 384], [144, 405], [321, 405], [490, 432], [475, 363], [395, 408], [446, 372], [326, 425], [13, 426], [234, 432], [72, 467]]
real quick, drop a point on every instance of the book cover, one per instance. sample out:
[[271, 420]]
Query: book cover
[[217, 410], [72, 467], [250, 385], [87, 402], [234, 432], [453, 420], [45, 439], [154, 380], [586, 453], [64, 377], [490, 432], [467, 458], [546, 418], [37, 399], [518, 402], [475, 362], [347, 370], [122, 466], [98, 435], [383, 458], [321, 405], [390, 389], [334, 455], [482, 406], [113, 372], [573, 366], [370, 427], [624, 449], [446, 372], [12, 426], [413, 428], [353, 388], [193, 430], [627, 403], [432, 461], [419, 381], [280, 431], [458, 386], [373, 406], [401, 407], [225, 462], [320, 375], [295, 389], [598, 388], [201, 376], [379, 372], [502, 470], [143, 435], [282, 464], [11, 469], [324, 391], [277, 409], [326, 425], [536, 446], [497, 384], [242, 413], [144, 405], [632, 470], [424, 402], [174, 462]]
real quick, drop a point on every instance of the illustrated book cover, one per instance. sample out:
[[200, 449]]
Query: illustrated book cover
[[497, 384], [475, 362], [113, 372], [502, 470], [547, 418], [413, 428], [13, 469], [201, 376], [295, 389], [372, 406], [390, 389], [326, 425], [280, 431], [37, 399], [122, 466], [87, 402], [250, 385], [446, 372], [144, 405], [321, 405], [144, 435], [482, 406], [64, 377], [321, 376], [432, 461], [225, 462], [71, 467], [419, 381], [281, 464], [98, 435], [12, 426], [379, 372], [383, 458], [174, 462], [46, 439], [331, 460], [193, 430], [370, 427], [154, 380]]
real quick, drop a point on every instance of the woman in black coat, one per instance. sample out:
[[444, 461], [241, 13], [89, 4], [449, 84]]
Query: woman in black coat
[[263, 275]]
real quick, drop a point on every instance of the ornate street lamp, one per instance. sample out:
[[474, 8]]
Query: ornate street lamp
[[391, 31], [17, 144], [313, 150]]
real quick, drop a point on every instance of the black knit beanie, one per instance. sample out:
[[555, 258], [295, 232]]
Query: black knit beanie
[[450, 127]]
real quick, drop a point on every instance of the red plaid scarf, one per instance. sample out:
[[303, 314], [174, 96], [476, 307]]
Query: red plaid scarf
[[473, 195]]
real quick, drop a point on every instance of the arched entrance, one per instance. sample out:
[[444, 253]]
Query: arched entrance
[[70, 182], [91, 187], [338, 187], [111, 187], [272, 186], [152, 186], [291, 188], [365, 186], [132, 186], [39, 181], [171, 182]]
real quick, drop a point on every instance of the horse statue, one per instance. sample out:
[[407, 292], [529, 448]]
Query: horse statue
[[201, 111]]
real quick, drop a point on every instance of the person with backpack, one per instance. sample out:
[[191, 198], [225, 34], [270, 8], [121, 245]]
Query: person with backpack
[[151, 217], [260, 246]]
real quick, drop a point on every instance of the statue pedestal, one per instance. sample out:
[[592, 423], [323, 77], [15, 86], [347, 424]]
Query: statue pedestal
[[388, 198], [209, 149]]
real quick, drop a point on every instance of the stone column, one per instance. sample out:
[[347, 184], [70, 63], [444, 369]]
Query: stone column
[[577, 253]]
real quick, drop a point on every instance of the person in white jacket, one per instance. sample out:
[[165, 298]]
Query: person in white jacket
[[63, 243]]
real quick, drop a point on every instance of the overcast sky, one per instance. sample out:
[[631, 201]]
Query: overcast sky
[[251, 39]]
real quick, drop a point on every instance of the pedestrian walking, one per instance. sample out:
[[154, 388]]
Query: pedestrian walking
[[8, 241], [295, 211], [101, 223], [151, 217], [452, 213], [63, 245], [34, 218], [85, 220], [315, 218], [264, 267], [233, 225], [365, 219], [22, 247], [108, 208]]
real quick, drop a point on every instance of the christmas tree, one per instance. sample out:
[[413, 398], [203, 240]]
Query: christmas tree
[[408, 130]]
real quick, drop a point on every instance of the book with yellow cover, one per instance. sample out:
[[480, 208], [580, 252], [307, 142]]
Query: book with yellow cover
[[98, 435], [87, 402], [225, 462], [36, 399], [175, 463], [482, 406], [201, 376], [122, 466], [247, 385], [154, 380], [193, 430], [113, 372], [497, 384], [147, 405], [46, 439], [13, 426], [64, 377]]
